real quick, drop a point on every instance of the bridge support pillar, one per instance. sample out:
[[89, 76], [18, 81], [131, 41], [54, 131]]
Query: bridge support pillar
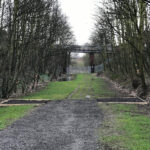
[[67, 62], [92, 64]]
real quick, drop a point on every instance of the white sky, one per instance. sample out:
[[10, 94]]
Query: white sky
[[80, 14]]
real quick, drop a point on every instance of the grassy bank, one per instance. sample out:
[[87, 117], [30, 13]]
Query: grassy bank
[[10, 114], [125, 127]]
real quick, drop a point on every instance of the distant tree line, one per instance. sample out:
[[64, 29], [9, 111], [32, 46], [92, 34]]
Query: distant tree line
[[122, 30], [33, 34]]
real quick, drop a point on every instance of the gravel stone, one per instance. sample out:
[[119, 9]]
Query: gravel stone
[[57, 125]]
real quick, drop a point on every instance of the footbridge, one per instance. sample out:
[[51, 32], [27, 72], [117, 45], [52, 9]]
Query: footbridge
[[88, 49], [91, 50]]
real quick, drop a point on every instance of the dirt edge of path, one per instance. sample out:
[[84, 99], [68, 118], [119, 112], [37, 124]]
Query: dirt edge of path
[[120, 88]]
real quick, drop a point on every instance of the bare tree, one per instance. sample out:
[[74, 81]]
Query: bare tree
[[123, 26], [32, 42]]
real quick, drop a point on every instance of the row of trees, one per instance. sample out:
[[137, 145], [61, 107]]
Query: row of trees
[[33, 34], [122, 30]]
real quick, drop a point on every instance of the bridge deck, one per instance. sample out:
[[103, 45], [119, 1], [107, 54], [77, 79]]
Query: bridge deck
[[57, 50], [84, 49]]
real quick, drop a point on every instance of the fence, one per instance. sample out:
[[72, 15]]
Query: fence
[[77, 69]]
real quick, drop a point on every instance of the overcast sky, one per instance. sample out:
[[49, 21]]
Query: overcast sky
[[80, 15]]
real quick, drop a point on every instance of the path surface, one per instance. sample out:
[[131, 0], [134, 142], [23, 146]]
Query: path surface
[[58, 125]]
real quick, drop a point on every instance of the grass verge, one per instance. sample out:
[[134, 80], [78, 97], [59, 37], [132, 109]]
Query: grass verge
[[87, 84], [84, 87], [125, 127], [10, 114], [102, 88], [93, 86], [57, 90]]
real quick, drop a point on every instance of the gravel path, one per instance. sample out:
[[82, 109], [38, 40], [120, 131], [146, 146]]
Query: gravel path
[[58, 125]]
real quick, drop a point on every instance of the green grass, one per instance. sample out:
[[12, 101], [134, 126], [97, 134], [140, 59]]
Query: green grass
[[10, 114], [57, 90], [87, 84], [93, 86], [84, 88], [101, 88], [126, 127]]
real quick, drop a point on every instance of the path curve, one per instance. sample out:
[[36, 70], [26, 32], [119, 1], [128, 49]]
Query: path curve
[[58, 125]]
